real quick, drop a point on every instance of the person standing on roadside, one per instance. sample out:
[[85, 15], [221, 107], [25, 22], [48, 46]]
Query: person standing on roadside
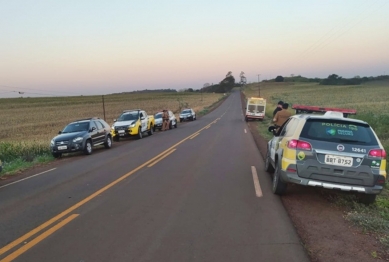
[[281, 116], [165, 120], [278, 108]]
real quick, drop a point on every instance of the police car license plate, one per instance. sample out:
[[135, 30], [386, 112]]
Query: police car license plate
[[121, 131], [62, 147], [338, 160]]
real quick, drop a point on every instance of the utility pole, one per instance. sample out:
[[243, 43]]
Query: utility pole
[[259, 87]]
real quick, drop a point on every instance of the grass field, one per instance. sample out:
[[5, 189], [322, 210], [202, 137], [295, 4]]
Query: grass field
[[28, 124], [370, 101]]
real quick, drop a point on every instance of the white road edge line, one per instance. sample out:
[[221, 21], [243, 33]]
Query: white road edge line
[[258, 190], [28, 178]]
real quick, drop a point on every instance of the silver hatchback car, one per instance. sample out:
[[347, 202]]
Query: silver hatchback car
[[187, 114]]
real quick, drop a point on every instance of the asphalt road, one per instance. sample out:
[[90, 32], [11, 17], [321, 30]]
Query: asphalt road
[[195, 193]]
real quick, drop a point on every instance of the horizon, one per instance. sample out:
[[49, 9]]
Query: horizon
[[95, 47]]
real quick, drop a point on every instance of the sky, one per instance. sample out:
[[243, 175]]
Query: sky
[[85, 47]]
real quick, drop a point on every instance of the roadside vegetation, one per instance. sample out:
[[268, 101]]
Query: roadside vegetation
[[370, 101], [30, 123]]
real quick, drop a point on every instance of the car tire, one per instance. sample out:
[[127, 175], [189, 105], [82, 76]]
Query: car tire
[[88, 147], [367, 199], [175, 125], [195, 118], [180, 120], [170, 125], [151, 131], [108, 142], [278, 186], [140, 135], [57, 155], [268, 167]]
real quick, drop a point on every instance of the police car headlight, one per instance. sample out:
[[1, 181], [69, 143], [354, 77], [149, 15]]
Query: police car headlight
[[78, 139], [132, 125], [52, 142]]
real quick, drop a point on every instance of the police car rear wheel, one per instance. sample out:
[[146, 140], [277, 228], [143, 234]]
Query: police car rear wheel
[[279, 187], [268, 167]]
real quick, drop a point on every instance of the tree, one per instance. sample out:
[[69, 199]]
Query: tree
[[226, 84], [279, 79]]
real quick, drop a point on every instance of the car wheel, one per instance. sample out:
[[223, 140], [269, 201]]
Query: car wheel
[[195, 118], [108, 142], [154, 128], [268, 167], [140, 135], [151, 131], [180, 120], [279, 187], [367, 199], [88, 147], [57, 155], [170, 125], [175, 125]]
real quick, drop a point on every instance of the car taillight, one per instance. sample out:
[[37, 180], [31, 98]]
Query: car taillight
[[377, 153], [381, 180], [299, 144]]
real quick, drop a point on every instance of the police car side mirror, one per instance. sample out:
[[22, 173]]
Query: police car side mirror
[[114, 120]]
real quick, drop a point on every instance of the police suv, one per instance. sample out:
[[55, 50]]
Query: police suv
[[329, 151]]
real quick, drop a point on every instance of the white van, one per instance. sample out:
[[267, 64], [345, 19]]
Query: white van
[[255, 108]]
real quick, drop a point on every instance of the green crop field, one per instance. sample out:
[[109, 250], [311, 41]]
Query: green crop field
[[28, 124]]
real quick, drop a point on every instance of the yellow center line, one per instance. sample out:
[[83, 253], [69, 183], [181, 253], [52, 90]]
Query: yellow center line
[[87, 199], [194, 136], [159, 159], [38, 239]]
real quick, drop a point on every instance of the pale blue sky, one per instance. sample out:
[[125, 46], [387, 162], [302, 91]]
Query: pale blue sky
[[100, 47]]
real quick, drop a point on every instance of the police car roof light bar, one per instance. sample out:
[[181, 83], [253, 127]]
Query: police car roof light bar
[[310, 109]]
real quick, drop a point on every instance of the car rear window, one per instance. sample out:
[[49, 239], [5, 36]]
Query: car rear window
[[339, 131]]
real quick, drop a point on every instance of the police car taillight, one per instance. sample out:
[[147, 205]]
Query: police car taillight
[[299, 144], [377, 153]]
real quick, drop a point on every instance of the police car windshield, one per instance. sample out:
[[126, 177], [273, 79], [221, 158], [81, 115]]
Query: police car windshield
[[76, 127], [186, 111], [159, 115], [128, 116], [338, 131]]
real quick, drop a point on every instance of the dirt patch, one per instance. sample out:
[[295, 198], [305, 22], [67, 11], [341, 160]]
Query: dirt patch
[[326, 235]]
